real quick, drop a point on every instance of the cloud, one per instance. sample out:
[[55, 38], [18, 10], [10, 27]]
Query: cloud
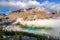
[[50, 7], [25, 4], [18, 5]]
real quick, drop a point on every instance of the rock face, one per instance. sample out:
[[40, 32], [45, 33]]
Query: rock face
[[31, 14], [1, 15]]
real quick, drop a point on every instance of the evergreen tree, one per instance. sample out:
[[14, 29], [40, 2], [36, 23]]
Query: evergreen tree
[[1, 32], [15, 36]]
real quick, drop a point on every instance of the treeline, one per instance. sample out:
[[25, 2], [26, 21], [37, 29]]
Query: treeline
[[21, 34]]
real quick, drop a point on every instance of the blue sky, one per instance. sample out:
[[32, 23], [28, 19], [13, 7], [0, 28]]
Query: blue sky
[[56, 1], [4, 9]]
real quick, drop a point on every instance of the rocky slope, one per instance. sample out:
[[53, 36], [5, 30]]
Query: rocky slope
[[31, 14]]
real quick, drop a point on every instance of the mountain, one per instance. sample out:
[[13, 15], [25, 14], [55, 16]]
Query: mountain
[[1, 15], [30, 14]]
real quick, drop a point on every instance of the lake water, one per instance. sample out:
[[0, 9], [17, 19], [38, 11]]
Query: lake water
[[54, 32], [36, 30], [31, 30]]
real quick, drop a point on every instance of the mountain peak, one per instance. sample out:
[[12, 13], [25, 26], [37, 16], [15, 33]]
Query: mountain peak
[[29, 14]]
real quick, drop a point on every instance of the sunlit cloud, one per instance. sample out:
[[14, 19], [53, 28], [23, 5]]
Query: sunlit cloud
[[25, 4], [19, 4]]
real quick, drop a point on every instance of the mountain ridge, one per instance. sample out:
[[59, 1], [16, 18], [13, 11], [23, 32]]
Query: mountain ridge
[[29, 14]]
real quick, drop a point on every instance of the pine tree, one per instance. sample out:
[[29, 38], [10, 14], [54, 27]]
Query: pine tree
[[1, 32], [15, 36]]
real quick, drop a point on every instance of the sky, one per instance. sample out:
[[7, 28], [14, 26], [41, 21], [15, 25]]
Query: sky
[[7, 6], [56, 1]]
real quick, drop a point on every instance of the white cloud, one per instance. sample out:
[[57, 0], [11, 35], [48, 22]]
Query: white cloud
[[50, 6], [24, 4], [19, 4]]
